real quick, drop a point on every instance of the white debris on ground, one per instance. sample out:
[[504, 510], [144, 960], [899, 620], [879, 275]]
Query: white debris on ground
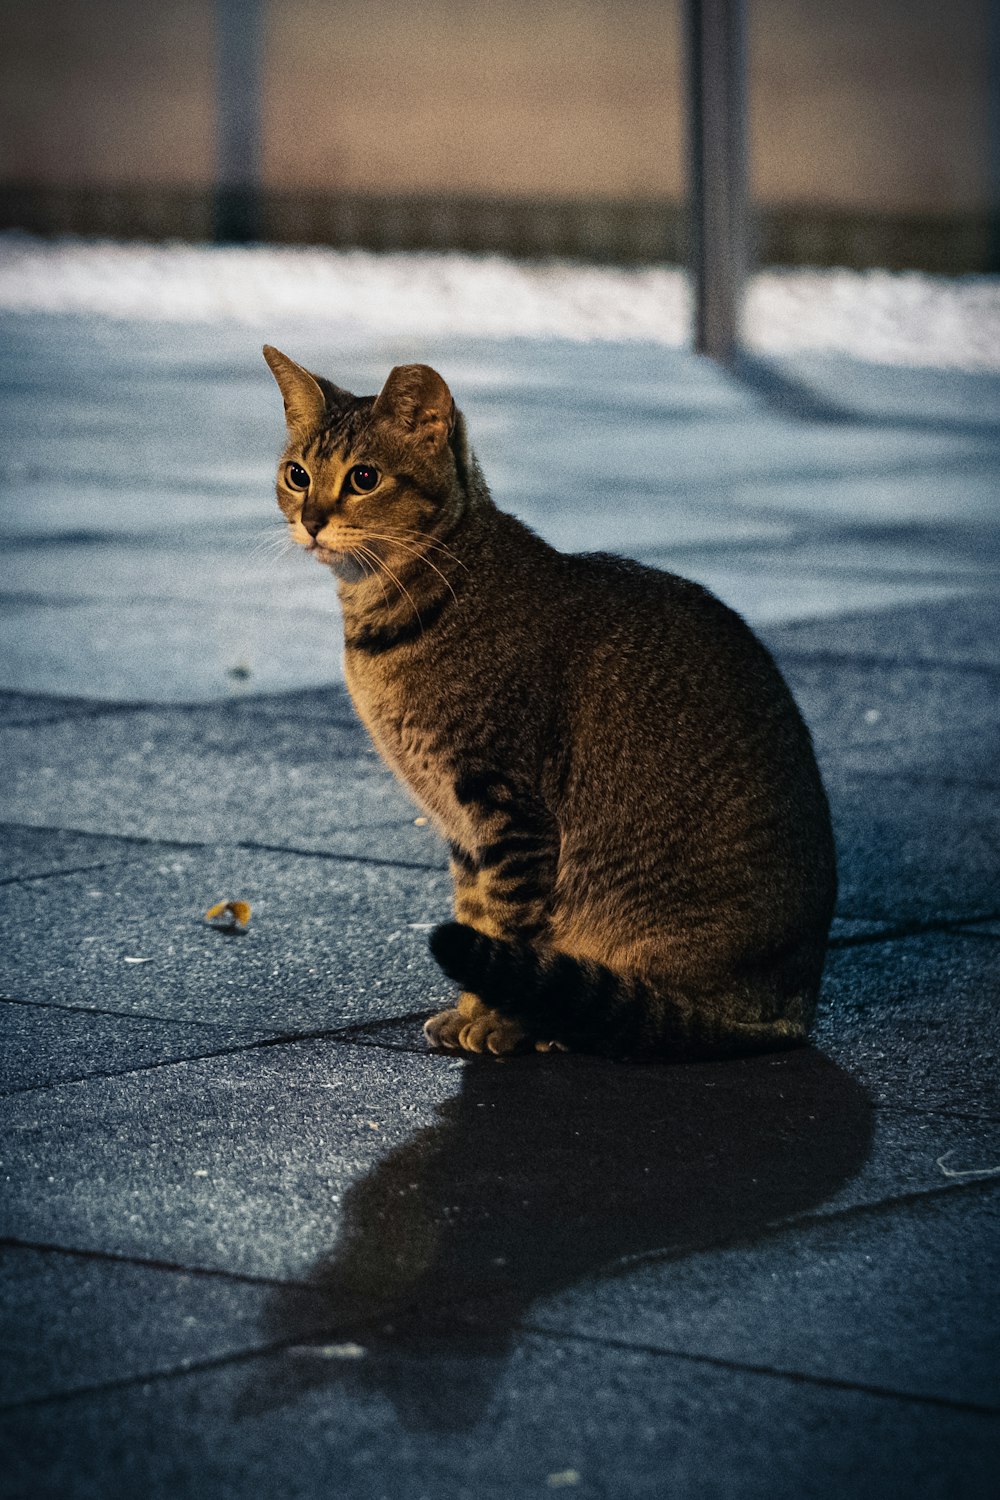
[[892, 318]]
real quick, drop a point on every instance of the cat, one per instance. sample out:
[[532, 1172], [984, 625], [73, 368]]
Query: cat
[[640, 841]]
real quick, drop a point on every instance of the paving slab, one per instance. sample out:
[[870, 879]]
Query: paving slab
[[213, 774], [264, 1162], [29, 854], [564, 1414], [41, 1045], [69, 1322], [868, 713], [915, 851], [331, 942], [917, 1020], [902, 1300], [148, 510], [962, 632], [485, 1277]]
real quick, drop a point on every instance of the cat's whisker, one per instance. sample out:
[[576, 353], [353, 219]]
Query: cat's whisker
[[268, 553], [276, 531], [269, 543], [419, 557], [430, 541], [402, 588], [360, 551], [415, 552], [419, 544], [427, 544], [374, 565]]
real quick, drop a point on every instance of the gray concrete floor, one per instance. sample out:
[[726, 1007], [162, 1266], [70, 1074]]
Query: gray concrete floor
[[254, 1236]]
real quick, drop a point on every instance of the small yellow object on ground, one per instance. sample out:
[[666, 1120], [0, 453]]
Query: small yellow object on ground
[[238, 912]]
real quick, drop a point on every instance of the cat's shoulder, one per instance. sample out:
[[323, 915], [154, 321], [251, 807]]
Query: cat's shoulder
[[624, 576]]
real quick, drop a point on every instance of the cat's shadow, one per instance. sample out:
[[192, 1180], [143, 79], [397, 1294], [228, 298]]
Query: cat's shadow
[[542, 1173]]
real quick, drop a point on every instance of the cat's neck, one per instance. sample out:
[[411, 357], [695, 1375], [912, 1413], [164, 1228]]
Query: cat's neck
[[418, 576]]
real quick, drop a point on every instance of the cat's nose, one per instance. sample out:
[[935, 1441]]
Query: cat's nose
[[313, 524]]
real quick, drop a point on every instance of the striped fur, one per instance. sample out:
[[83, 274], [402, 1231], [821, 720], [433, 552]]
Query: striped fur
[[640, 843], [590, 1008]]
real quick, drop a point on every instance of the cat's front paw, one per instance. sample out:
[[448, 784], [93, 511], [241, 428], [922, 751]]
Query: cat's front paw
[[471, 1026], [443, 1029]]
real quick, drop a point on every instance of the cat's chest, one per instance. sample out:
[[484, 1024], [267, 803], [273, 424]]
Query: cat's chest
[[410, 739]]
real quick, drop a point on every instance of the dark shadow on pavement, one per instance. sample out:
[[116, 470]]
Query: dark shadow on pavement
[[788, 395], [540, 1174]]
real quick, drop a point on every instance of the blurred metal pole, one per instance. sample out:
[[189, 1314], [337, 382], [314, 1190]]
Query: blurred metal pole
[[993, 127], [716, 36], [239, 54]]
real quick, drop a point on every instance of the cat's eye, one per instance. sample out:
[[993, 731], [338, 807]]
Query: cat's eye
[[364, 478], [297, 477]]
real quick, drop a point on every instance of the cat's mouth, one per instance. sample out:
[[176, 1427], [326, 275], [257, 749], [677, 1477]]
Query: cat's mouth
[[324, 554], [341, 562]]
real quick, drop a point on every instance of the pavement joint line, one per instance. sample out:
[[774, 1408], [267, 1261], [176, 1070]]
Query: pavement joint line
[[360, 859], [249, 704], [356, 1034], [552, 1335], [337, 856], [954, 926], [124, 1015], [773, 1372], [614, 1270], [119, 838], [250, 845], [611, 1272], [281, 1039], [188, 1367], [817, 1218], [152, 1263]]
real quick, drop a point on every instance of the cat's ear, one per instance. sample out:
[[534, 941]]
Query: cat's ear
[[305, 401], [416, 399]]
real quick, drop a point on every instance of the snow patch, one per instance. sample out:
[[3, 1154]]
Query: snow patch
[[893, 318]]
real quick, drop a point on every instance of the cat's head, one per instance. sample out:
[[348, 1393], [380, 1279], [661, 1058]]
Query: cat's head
[[365, 475]]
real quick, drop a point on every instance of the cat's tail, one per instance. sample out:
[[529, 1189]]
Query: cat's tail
[[589, 1007]]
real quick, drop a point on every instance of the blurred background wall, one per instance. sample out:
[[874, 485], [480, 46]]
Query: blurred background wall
[[536, 126]]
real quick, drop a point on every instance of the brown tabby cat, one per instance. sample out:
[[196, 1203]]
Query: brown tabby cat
[[640, 840]]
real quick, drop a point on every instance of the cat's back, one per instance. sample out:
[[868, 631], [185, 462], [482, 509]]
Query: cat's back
[[660, 676], [644, 630]]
